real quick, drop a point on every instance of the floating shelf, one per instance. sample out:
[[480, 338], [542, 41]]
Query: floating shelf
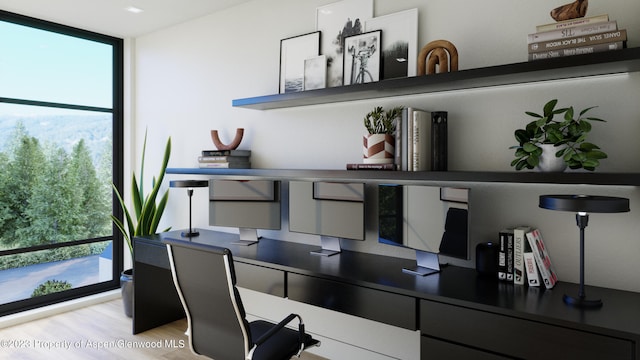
[[423, 177], [604, 63]]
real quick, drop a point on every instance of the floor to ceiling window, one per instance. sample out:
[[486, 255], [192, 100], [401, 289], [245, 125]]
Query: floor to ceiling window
[[60, 151]]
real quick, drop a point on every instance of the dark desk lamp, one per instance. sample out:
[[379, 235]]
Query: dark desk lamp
[[582, 205], [189, 184]]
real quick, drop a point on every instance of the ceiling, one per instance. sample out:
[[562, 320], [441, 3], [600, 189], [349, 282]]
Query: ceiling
[[110, 17]]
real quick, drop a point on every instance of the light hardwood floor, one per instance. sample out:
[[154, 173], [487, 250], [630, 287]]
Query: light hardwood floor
[[99, 331]]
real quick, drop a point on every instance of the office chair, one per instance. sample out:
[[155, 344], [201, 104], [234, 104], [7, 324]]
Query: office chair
[[205, 280]]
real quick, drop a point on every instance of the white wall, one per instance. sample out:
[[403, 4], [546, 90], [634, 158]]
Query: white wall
[[185, 77]]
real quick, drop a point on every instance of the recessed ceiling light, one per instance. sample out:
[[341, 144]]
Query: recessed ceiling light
[[133, 9]]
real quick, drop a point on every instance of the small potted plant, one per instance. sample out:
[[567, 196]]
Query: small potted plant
[[379, 142], [550, 144]]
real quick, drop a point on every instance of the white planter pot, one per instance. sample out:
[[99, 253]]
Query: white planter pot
[[548, 160], [378, 149]]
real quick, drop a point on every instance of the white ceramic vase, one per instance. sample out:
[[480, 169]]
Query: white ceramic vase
[[548, 160]]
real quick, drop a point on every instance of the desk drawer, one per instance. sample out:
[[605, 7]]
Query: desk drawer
[[431, 348], [381, 306], [259, 278], [517, 337]]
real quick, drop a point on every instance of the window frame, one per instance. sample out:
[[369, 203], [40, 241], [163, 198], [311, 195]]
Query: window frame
[[117, 111]]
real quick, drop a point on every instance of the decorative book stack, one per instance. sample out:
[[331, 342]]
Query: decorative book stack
[[523, 258], [576, 37], [421, 140], [225, 159]]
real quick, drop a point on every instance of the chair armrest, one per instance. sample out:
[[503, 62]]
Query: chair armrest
[[279, 327]]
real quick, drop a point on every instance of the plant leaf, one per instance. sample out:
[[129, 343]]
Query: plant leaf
[[140, 191], [521, 136], [595, 119], [590, 163], [548, 107], [158, 213], [128, 231], [587, 146], [569, 114], [542, 121], [529, 147], [596, 154], [585, 126], [587, 109]]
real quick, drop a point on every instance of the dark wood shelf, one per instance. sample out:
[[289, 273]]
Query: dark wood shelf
[[422, 177], [611, 62]]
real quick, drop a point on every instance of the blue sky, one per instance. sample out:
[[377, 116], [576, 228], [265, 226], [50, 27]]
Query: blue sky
[[46, 66]]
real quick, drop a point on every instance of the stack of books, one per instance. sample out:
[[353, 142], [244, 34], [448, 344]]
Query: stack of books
[[421, 140], [576, 37], [225, 159], [524, 259]]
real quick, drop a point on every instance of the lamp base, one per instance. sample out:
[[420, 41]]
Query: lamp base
[[192, 233], [581, 302]]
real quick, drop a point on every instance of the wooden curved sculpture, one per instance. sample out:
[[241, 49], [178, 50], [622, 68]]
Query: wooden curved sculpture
[[233, 145], [576, 9], [440, 53]]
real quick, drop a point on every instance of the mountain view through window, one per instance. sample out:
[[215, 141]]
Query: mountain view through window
[[56, 161]]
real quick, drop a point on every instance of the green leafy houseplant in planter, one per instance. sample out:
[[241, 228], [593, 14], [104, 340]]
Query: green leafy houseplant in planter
[[147, 216], [566, 139], [379, 143]]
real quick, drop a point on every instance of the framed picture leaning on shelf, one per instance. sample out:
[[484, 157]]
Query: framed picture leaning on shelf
[[399, 48], [293, 53], [337, 21], [315, 72], [362, 58]]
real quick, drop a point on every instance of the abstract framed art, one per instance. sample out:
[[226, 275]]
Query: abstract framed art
[[362, 58], [400, 43], [315, 73], [293, 53], [337, 21]]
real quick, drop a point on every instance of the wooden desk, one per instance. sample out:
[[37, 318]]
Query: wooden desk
[[456, 311]]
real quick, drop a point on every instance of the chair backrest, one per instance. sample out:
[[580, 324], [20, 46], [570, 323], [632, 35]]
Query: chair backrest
[[205, 280]]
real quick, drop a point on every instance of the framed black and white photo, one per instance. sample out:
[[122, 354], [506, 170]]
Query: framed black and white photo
[[293, 52], [362, 58], [337, 21], [400, 42], [315, 73]]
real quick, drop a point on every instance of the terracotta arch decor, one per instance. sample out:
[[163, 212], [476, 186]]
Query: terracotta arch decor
[[233, 145], [439, 52]]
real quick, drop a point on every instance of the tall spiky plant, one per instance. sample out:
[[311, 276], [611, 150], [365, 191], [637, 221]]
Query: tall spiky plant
[[147, 212]]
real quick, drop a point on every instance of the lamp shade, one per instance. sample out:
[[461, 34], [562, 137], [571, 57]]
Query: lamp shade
[[584, 203], [188, 183]]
